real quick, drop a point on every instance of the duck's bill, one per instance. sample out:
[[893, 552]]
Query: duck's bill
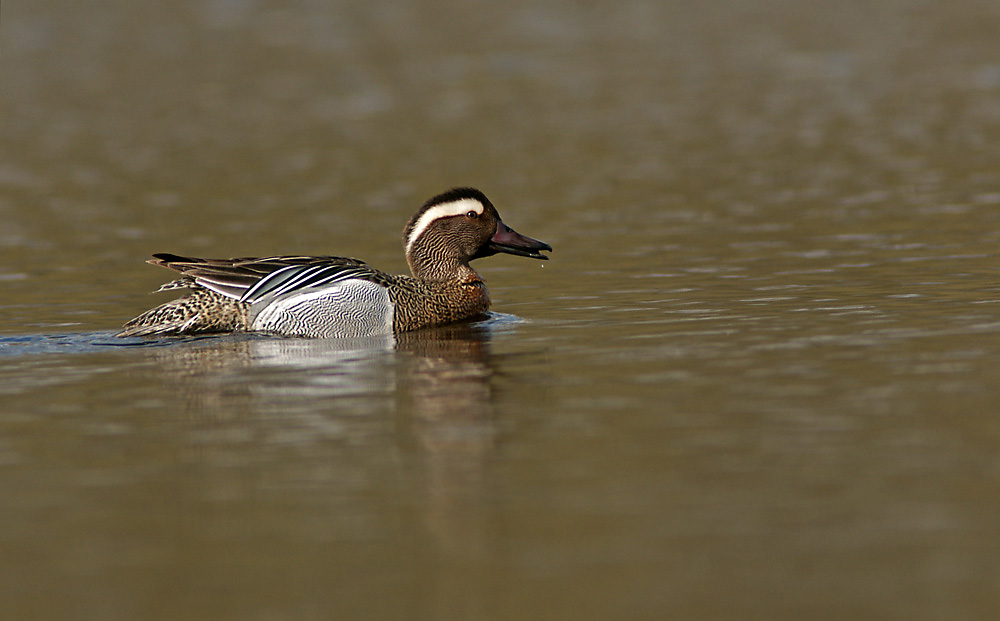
[[509, 241]]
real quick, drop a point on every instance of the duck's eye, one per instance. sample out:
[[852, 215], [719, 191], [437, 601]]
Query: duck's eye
[[472, 215]]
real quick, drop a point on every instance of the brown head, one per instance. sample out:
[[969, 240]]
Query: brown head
[[456, 227]]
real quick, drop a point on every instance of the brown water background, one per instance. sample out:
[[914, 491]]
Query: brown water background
[[759, 377]]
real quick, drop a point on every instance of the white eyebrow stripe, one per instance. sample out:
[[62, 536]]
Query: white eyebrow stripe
[[444, 210]]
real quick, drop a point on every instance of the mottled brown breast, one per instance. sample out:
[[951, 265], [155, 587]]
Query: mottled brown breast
[[420, 304]]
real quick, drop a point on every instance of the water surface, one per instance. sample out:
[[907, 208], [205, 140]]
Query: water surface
[[758, 377]]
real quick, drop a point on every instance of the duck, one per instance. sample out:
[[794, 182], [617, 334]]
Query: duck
[[341, 297]]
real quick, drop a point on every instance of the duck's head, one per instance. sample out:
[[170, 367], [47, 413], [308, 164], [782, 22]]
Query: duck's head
[[456, 227]]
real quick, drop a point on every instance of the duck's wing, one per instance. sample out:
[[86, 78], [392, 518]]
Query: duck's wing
[[300, 278], [250, 278]]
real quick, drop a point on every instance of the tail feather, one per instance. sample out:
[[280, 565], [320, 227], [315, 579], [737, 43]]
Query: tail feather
[[202, 311]]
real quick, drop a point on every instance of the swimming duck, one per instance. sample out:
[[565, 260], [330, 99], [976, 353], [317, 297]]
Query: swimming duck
[[327, 296]]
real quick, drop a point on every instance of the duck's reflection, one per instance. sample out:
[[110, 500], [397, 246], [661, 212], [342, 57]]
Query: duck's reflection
[[439, 375], [451, 393], [425, 398]]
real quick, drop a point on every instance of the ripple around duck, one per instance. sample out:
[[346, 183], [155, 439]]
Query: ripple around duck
[[35, 344], [14, 345]]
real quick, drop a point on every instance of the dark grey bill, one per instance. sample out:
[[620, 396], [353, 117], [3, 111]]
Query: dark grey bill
[[509, 241]]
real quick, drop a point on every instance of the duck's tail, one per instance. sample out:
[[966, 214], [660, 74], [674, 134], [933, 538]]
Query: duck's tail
[[201, 311]]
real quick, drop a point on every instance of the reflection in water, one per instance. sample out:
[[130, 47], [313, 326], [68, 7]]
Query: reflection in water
[[452, 400], [431, 388], [445, 370]]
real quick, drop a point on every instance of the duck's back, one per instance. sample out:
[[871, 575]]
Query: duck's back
[[228, 295]]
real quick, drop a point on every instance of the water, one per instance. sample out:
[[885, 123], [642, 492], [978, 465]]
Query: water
[[757, 379]]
